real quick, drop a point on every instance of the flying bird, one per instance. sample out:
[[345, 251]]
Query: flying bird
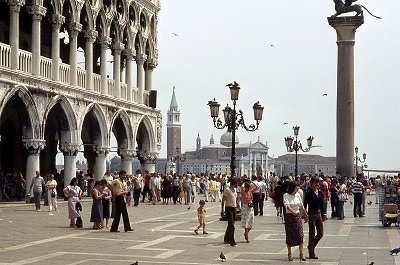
[[351, 202], [222, 256], [285, 123], [175, 34], [325, 94], [395, 251], [135, 263], [272, 45], [188, 208], [372, 263], [348, 103], [370, 202]]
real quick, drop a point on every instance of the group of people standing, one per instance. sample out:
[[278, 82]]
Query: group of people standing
[[103, 192]]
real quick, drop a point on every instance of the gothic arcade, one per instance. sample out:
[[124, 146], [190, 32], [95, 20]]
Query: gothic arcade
[[51, 101]]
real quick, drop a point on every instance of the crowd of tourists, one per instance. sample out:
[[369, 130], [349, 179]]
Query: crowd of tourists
[[303, 199]]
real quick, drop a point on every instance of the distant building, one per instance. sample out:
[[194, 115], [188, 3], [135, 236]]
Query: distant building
[[285, 165]]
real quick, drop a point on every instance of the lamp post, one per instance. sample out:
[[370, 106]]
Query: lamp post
[[233, 119], [293, 144], [178, 158], [358, 159]]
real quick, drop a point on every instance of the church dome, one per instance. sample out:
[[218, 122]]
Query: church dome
[[226, 139]]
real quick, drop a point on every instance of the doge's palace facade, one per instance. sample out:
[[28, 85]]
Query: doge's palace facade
[[51, 101]]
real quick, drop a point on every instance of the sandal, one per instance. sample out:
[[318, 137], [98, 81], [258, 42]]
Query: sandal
[[289, 257], [302, 258]]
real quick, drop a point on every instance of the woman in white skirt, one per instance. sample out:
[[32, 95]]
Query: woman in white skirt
[[51, 186], [247, 209]]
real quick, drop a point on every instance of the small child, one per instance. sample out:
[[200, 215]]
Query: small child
[[201, 215]]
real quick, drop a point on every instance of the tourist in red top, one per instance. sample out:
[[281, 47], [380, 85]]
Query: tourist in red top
[[247, 211]]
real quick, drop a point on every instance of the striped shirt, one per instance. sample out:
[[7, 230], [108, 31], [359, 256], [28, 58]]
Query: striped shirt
[[357, 187]]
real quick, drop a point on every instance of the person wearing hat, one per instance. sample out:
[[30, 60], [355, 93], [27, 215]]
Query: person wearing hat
[[314, 203], [228, 210]]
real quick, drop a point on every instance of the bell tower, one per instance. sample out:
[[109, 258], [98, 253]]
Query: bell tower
[[173, 128]]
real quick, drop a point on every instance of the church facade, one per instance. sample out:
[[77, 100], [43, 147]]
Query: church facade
[[251, 158], [57, 91]]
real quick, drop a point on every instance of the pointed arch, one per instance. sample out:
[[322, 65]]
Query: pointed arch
[[68, 109], [98, 113], [20, 91], [121, 126], [145, 134]]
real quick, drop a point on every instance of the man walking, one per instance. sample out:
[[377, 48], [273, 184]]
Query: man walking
[[357, 188], [119, 191], [228, 209], [37, 185]]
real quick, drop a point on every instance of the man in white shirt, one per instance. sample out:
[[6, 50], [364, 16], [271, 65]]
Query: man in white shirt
[[228, 209]]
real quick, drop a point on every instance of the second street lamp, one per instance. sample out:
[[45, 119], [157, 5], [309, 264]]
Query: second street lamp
[[294, 145], [233, 119], [358, 159], [178, 158]]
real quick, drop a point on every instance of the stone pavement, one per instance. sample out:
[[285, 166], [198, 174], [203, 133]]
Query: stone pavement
[[163, 234]]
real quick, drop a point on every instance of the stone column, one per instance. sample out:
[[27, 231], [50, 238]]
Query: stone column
[[100, 164], [90, 36], [130, 53], [74, 29], [34, 147], [148, 161], [15, 7], [57, 21], [126, 158], [105, 42], [151, 64], [140, 58], [37, 13], [117, 49], [70, 151], [346, 29]]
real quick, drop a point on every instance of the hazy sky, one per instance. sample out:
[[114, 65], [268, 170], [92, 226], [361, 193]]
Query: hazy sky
[[226, 40]]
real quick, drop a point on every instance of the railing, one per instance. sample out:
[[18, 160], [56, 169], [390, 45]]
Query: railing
[[25, 65], [110, 87], [25, 61], [5, 51], [135, 94], [97, 83], [64, 73], [45, 67], [81, 78], [124, 91]]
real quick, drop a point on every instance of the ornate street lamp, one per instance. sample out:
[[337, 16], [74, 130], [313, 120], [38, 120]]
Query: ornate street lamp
[[358, 159], [233, 119], [293, 144], [178, 158]]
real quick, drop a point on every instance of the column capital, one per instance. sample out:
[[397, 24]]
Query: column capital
[[104, 40], [34, 146], [346, 27], [37, 11], [140, 58], [151, 64], [70, 149], [126, 153], [57, 20], [74, 28], [146, 157], [130, 52], [101, 150], [90, 35], [118, 47], [15, 5]]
